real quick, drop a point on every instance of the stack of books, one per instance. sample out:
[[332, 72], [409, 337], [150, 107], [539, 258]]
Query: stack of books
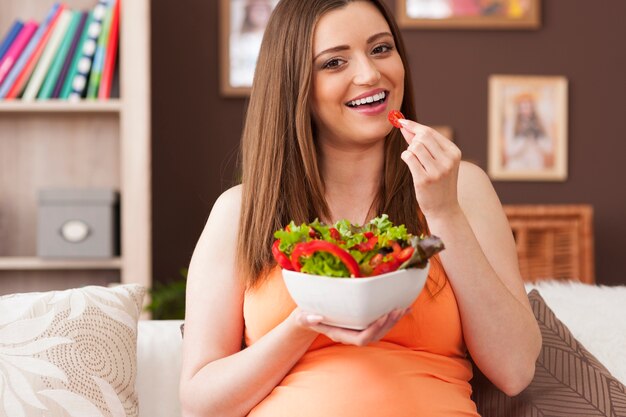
[[70, 55]]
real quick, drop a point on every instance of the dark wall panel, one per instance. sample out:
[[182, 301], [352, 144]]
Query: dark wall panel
[[196, 131]]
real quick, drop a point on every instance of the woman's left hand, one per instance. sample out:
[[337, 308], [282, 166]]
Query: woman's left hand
[[434, 164]]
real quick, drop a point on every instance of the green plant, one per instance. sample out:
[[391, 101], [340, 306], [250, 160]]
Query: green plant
[[168, 300]]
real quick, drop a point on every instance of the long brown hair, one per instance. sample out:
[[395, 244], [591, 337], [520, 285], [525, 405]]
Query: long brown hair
[[281, 178]]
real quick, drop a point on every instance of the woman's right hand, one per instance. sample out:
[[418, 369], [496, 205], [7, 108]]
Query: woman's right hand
[[373, 333]]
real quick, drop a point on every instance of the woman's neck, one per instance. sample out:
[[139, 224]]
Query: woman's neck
[[352, 180]]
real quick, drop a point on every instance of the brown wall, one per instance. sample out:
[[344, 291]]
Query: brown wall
[[196, 132]]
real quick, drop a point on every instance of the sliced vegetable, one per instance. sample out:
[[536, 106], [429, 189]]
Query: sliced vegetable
[[392, 265], [280, 257], [367, 245], [393, 117], [309, 248]]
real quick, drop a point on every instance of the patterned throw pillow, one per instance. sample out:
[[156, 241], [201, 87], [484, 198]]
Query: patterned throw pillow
[[569, 381], [70, 353]]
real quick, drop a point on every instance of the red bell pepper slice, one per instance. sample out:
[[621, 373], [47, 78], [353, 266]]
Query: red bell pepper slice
[[280, 257], [405, 254], [392, 265], [334, 233], [393, 117], [367, 245], [309, 248], [376, 260]]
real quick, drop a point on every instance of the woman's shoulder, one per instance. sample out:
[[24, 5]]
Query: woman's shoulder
[[475, 190], [229, 202], [225, 212]]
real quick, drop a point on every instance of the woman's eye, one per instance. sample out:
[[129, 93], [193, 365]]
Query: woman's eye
[[332, 63], [380, 49]]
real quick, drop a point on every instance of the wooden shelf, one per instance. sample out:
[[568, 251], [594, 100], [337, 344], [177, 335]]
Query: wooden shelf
[[82, 144], [27, 263], [60, 106]]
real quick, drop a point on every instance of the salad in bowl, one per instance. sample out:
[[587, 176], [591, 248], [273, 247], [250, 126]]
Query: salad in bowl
[[350, 274]]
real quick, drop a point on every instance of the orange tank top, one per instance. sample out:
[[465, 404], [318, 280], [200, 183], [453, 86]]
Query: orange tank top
[[420, 368]]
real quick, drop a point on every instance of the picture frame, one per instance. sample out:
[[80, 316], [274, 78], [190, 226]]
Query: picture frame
[[242, 23], [527, 128], [469, 14]]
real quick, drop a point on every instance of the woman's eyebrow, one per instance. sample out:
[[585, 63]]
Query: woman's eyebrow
[[371, 39]]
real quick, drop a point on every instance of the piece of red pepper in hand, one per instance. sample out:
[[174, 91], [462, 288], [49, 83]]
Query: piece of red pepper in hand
[[309, 248], [280, 257]]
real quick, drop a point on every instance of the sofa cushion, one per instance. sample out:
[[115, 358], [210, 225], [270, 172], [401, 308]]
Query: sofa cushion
[[71, 353], [568, 379]]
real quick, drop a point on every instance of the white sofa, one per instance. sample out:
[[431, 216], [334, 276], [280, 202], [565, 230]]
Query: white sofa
[[43, 336], [159, 351], [595, 315]]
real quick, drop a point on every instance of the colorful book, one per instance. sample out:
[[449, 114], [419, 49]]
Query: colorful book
[[83, 67], [8, 39], [18, 45], [104, 92], [45, 92], [71, 54], [98, 60], [73, 68], [20, 64], [18, 86], [39, 73]]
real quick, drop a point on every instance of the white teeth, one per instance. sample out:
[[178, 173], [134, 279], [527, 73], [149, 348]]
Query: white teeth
[[370, 99]]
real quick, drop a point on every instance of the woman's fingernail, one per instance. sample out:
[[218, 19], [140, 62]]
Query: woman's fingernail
[[404, 155], [403, 122], [314, 318]]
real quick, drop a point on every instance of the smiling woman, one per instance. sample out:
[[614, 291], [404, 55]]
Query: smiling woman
[[317, 144]]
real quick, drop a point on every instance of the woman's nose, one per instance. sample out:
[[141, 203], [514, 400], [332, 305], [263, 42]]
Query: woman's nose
[[366, 72]]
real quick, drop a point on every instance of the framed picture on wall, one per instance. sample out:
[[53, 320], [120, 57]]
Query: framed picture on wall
[[242, 23], [527, 128], [469, 14]]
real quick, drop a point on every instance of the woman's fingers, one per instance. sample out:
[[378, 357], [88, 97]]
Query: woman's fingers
[[372, 333], [412, 130], [435, 153]]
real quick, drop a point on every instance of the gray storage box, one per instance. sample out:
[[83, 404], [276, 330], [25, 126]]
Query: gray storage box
[[78, 223]]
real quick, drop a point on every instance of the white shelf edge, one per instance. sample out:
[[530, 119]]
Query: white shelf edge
[[26, 263], [60, 106]]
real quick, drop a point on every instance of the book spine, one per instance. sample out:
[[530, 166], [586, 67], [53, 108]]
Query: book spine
[[69, 58], [98, 60], [10, 37], [19, 84], [73, 69], [104, 92], [79, 82], [45, 92], [28, 52], [16, 48], [39, 73]]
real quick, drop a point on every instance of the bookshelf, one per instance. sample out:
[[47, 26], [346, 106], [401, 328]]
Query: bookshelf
[[84, 144]]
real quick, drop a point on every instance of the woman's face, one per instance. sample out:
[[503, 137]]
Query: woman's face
[[358, 75]]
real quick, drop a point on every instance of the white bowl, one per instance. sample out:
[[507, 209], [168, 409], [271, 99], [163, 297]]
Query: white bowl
[[354, 303]]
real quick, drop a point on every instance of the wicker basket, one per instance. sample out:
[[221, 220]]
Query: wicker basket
[[553, 241]]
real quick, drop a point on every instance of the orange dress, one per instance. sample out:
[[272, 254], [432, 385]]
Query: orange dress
[[419, 368]]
